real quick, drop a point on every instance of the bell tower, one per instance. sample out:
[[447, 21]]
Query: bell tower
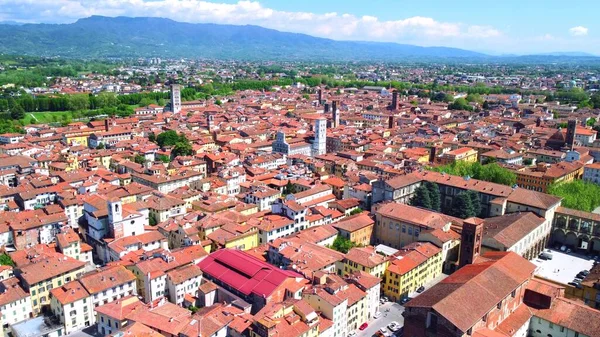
[[470, 241]]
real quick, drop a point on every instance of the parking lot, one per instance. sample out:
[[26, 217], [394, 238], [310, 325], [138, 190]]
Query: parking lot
[[563, 267], [429, 285], [390, 312]]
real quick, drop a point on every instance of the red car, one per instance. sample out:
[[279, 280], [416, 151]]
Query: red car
[[363, 326]]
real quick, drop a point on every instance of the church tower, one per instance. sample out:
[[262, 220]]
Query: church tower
[[470, 241], [175, 98], [320, 143]]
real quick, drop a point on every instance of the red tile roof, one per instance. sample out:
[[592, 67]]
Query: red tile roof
[[244, 272]]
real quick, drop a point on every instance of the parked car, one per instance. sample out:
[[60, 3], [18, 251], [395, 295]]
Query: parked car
[[383, 330], [576, 285], [377, 315], [584, 272], [563, 248], [352, 333], [569, 251], [404, 300], [393, 326], [545, 256], [363, 326], [581, 276], [421, 289], [385, 299]]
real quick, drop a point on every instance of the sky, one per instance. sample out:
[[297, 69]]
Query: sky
[[495, 27]]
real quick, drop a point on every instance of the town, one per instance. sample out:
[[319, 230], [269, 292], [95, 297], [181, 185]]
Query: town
[[263, 201]]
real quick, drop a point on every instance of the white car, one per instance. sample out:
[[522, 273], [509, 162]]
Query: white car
[[393, 326], [377, 315], [383, 330]]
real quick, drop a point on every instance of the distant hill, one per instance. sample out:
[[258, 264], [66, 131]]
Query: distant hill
[[572, 54], [105, 37]]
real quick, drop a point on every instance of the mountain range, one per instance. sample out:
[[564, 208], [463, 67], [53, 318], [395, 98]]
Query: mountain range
[[124, 37]]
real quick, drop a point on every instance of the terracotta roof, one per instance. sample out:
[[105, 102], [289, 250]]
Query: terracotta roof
[[489, 282], [509, 229], [572, 315], [355, 222], [69, 293], [105, 279]]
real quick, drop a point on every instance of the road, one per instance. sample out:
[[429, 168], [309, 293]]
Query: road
[[393, 315]]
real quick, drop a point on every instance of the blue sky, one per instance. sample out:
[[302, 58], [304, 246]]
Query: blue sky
[[502, 27]]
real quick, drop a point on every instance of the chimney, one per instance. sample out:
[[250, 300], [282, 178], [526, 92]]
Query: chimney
[[470, 241], [395, 101], [106, 125]]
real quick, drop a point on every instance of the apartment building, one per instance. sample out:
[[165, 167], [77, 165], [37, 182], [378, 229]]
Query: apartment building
[[462, 154], [365, 259], [15, 302], [72, 304], [397, 224], [112, 316], [46, 273], [151, 273], [183, 281], [356, 228], [411, 267], [291, 318]]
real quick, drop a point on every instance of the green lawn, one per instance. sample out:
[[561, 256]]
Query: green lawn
[[46, 117]]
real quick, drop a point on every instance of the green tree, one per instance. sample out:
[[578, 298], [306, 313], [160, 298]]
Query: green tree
[[421, 198], [152, 219], [591, 122], [78, 102], [595, 101], [474, 98], [152, 137], [100, 146], [17, 112], [106, 99], [434, 195], [492, 172], [163, 158], [6, 260], [289, 188], [342, 245], [182, 148], [578, 194], [139, 159], [462, 206], [475, 202], [357, 210], [168, 138]]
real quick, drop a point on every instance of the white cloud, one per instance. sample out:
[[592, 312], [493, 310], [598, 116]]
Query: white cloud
[[578, 31], [420, 30]]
